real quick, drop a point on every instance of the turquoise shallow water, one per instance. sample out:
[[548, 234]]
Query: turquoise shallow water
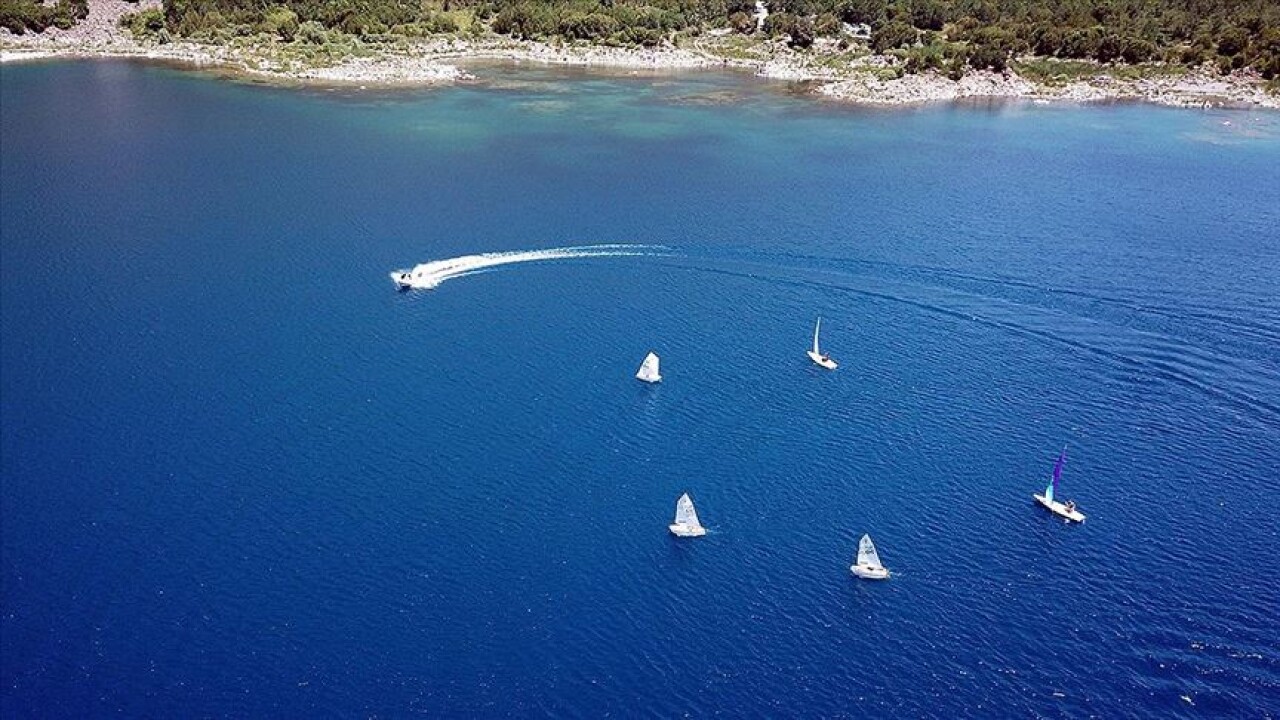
[[242, 476]]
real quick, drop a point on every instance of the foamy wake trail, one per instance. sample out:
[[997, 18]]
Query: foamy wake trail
[[431, 274]]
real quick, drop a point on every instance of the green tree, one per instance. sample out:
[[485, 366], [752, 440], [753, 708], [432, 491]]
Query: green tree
[[1138, 50], [779, 24], [827, 25], [893, 35], [281, 22], [588, 26], [928, 14], [802, 33], [992, 47], [860, 12], [1232, 41], [1046, 40], [1080, 44], [1109, 48]]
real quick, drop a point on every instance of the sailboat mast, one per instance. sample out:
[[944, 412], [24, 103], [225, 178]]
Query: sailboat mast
[[816, 328]]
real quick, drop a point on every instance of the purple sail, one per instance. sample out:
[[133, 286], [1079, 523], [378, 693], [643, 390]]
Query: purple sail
[[1057, 468]]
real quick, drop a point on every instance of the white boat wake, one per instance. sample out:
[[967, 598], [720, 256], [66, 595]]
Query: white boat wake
[[430, 275]]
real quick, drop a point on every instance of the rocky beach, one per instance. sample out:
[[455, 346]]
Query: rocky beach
[[830, 72]]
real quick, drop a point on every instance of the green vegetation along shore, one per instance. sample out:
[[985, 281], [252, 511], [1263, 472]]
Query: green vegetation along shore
[[950, 36]]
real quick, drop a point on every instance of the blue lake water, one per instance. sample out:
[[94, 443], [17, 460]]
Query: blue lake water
[[244, 477]]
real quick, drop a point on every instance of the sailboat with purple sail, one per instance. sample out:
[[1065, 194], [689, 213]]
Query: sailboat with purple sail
[[1066, 509]]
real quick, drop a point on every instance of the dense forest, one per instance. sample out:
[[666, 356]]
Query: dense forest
[[18, 16], [946, 35]]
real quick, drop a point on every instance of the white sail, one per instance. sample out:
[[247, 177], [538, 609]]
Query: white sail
[[649, 369], [816, 328], [685, 514], [867, 555]]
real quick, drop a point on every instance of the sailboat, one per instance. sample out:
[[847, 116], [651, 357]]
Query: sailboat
[[868, 566], [649, 369], [816, 355], [686, 523], [1066, 510]]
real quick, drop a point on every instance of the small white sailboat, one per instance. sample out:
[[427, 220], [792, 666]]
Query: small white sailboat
[[686, 523], [868, 566], [816, 355], [1066, 509], [649, 369]]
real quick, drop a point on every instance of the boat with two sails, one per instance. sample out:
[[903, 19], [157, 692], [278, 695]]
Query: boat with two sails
[[1066, 510]]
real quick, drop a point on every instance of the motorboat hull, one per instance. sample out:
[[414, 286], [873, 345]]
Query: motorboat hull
[[1059, 509], [869, 573], [403, 280], [683, 530], [822, 360]]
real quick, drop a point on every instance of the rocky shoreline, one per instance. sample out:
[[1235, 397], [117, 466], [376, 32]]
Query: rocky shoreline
[[1196, 89], [865, 79]]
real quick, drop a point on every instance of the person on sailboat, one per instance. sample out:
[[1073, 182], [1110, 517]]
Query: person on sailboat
[[1070, 505]]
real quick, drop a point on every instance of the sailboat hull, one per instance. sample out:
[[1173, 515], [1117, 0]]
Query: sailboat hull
[[866, 572], [822, 361], [683, 530], [1059, 509]]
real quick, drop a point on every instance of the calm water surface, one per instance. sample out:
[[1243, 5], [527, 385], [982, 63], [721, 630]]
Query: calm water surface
[[243, 477]]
